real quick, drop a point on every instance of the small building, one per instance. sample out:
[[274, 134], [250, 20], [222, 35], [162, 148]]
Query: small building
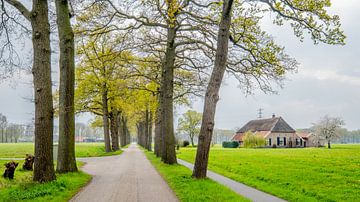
[[311, 139], [275, 130]]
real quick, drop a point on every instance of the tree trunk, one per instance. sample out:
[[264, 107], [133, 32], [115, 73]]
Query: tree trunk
[[141, 133], [123, 132], [44, 114], [192, 141], [128, 138], [150, 131], [114, 130], [119, 129], [212, 93], [329, 146], [167, 88], [106, 119], [66, 151], [146, 129], [158, 138]]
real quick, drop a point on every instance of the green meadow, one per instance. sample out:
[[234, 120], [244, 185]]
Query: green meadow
[[18, 150], [305, 174]]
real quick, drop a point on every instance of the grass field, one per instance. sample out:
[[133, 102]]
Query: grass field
[[310, 174], [18, 150], [22, 188], [189, 189]]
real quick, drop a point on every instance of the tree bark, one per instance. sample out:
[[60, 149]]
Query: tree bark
[[44, 114], [114, 130], [123, 132], [150, 123], [146, 129], [158, 129], [66, 150], [105, 110], [212, 93], [127, 137], [167, 88], [329, 145], [192, 140]]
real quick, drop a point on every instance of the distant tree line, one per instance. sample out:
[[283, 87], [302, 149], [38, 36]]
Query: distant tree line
[[11, 132], [348, 136]]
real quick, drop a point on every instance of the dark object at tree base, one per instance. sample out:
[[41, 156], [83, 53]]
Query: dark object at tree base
[[10, 170], [29, 162]]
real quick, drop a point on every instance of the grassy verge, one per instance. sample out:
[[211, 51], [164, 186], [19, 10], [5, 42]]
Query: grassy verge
[[311, 174], [187, 188], [22, 188], [18, 150], [93, 150]]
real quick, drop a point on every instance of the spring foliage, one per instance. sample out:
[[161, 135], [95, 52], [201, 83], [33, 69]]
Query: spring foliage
[[252, 140]]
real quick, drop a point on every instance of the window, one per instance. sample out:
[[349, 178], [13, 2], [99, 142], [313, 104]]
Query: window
[[278, 141], [281, 141], [284, 141], [269, 141], [297, 142]]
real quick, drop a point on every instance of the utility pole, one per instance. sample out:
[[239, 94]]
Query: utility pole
[[260, 113]]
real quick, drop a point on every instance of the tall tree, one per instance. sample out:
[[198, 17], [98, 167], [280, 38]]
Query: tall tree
[[260, 57], [328, 128], [212, 92], [66, 161], [41, 69]]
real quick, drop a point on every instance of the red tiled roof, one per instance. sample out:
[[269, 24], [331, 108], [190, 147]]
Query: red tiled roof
[[303, 134], [238, 137]]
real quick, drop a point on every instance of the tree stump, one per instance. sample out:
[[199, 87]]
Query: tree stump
[[29, 162], [10, 169]]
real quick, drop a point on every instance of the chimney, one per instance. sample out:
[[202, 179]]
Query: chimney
[[273, 116]]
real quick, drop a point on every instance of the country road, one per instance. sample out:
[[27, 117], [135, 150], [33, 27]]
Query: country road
[[126, 177]]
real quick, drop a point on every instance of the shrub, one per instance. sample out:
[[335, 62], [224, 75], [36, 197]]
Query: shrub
[[186, 143], [251, 141], [232, 144]]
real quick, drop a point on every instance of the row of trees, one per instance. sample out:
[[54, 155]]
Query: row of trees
[[137, 59], [10, 132]]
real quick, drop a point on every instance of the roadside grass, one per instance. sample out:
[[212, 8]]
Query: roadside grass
[[93, 150], [308, 174], [22, 188], [126, 146], [187, 188], [18, 150]]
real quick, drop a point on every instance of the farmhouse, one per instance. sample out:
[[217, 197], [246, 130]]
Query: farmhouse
[[275, 130]]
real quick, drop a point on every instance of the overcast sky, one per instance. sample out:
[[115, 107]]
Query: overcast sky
[[328, 82]]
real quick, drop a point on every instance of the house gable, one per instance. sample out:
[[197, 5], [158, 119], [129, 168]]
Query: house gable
[[276, 124]]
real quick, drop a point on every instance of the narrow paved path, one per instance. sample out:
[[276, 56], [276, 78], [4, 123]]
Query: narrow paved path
[[242, 189], [126, 177]]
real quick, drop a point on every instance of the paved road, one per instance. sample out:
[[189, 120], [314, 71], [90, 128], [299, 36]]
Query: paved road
[[242, 189], [126, 177]]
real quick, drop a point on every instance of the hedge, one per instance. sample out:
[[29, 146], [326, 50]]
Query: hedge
[[232, 144]]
